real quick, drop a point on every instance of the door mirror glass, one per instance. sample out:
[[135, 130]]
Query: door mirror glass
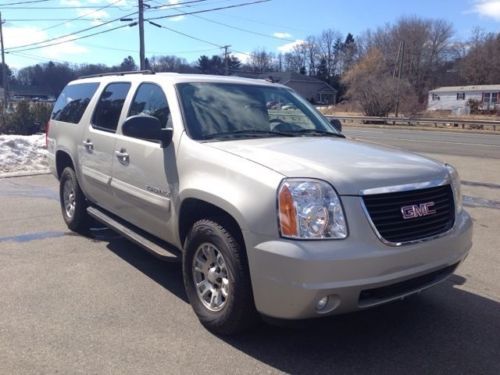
[[148, 128]]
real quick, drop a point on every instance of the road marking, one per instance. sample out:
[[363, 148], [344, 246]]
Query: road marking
[[422, 132], [483, 184], [28, 237], [429, 141], [480, 202]]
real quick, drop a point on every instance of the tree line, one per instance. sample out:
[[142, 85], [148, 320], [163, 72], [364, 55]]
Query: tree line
[[367, 69]]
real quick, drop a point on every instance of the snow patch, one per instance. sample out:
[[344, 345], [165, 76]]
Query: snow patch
[[22, 154]]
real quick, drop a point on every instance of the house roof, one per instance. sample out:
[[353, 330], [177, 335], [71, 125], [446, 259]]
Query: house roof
[[466, 88], [286, 77]]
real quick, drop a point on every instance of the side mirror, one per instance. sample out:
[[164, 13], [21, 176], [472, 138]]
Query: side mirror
[[148, 128], [336, 124]]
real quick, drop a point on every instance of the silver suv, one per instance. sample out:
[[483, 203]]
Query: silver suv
[[271, 210]]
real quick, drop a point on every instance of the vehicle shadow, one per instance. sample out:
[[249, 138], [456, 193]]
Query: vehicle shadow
[[442, 331], [166, 274]]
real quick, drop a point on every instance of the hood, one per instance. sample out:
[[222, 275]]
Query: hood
[[349, 165]]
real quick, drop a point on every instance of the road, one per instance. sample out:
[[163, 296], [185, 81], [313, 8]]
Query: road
[[99, 304], [430, 141]]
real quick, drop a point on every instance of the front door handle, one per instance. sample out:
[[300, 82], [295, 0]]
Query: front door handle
[[88, 145], [122, 156]]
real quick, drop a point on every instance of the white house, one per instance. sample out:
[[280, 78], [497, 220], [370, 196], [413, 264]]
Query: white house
[[455, 98]]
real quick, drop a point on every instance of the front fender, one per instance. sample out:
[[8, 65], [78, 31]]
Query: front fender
[[244, 189]]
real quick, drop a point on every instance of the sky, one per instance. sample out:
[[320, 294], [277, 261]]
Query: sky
[[275, 25]]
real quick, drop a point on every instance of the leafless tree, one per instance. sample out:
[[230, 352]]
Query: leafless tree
[[428, 49], [481, 64], [329, 50], [371, 84], [262, 61]]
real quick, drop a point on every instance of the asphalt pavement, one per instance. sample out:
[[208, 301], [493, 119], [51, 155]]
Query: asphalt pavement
[[71, 304], [432, 141]]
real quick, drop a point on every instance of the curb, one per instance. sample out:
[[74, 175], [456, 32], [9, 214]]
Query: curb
[[24, 174]]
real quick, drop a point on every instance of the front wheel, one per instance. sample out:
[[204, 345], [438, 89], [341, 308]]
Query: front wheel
[[217, 279], [73, 202]]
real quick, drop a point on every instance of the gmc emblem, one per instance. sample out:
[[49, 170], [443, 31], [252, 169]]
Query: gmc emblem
[[417, 210]]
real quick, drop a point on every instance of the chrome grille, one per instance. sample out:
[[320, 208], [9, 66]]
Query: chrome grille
[[423, 219]]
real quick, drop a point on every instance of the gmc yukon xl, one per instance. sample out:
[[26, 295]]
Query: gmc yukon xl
[[270, 209]]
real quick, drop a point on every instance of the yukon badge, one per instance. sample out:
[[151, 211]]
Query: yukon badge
[[418, 210]]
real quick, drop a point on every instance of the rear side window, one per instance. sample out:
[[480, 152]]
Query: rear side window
[[108, 109], [150, 100], [73, 102]]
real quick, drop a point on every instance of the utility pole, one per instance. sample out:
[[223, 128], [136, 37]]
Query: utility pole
[[401, 54], [226, 59], [4, 72], [142, 56]]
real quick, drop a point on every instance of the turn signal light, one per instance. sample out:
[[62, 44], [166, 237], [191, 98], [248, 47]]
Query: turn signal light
[[287, 213]]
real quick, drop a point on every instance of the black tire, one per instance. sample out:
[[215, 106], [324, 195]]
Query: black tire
[[238, 313], [77, 219]]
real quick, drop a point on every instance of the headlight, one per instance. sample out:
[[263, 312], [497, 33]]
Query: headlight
[[310, 209], [455, 185]]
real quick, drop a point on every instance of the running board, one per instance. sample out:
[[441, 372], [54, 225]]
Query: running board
[[156, 247]]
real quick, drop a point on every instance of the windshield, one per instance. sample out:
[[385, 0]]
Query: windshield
[[226, 110]]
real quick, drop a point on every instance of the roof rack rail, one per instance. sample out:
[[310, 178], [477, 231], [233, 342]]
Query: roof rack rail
[[118, 73]]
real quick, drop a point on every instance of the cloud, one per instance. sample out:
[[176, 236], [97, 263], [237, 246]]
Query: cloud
[[487, 8], [18, 36], [289, 47], [71, 3], [176, 19], [243, 57], [97, 16], [174, 3], [282, 35], [69, 48]]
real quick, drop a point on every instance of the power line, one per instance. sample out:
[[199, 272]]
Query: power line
[[244, 30], [37, 57], [25, 2], [37, 45], [184, 34], [61, 7], [72, 40], [270, 24], [68, 35], [82, 16], [166, 6], [50, 19], [196, 38], [208, 10], [236, 27], [150, 52]]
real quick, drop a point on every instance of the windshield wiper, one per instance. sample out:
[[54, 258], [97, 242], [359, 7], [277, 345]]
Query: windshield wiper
[[248, 132], [317, 132]]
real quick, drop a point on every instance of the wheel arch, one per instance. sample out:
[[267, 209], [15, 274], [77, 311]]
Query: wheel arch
[[63, 160], [193, 209]]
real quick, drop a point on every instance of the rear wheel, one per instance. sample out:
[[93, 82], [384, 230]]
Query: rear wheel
[[217, 280], [73, 202]]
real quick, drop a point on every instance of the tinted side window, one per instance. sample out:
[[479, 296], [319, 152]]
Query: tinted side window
[[150, 100], [109, 107], [73, 102]]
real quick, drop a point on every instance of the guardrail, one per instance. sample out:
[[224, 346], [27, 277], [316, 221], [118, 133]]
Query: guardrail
[[414, 121]]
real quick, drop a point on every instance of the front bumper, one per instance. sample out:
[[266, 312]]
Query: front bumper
[[289, 277]]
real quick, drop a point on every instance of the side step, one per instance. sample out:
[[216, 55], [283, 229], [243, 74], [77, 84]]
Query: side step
[[156, 247]]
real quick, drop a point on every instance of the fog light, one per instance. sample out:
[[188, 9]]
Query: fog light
[[322, 303]]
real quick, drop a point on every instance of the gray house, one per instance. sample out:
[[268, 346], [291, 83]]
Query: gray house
[[455, 98], [312, 89]]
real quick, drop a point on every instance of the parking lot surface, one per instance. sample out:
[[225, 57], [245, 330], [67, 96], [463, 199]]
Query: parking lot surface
[[99, 304]]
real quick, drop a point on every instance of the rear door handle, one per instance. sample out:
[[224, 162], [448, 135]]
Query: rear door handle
[[88, 145], [122, 156]]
